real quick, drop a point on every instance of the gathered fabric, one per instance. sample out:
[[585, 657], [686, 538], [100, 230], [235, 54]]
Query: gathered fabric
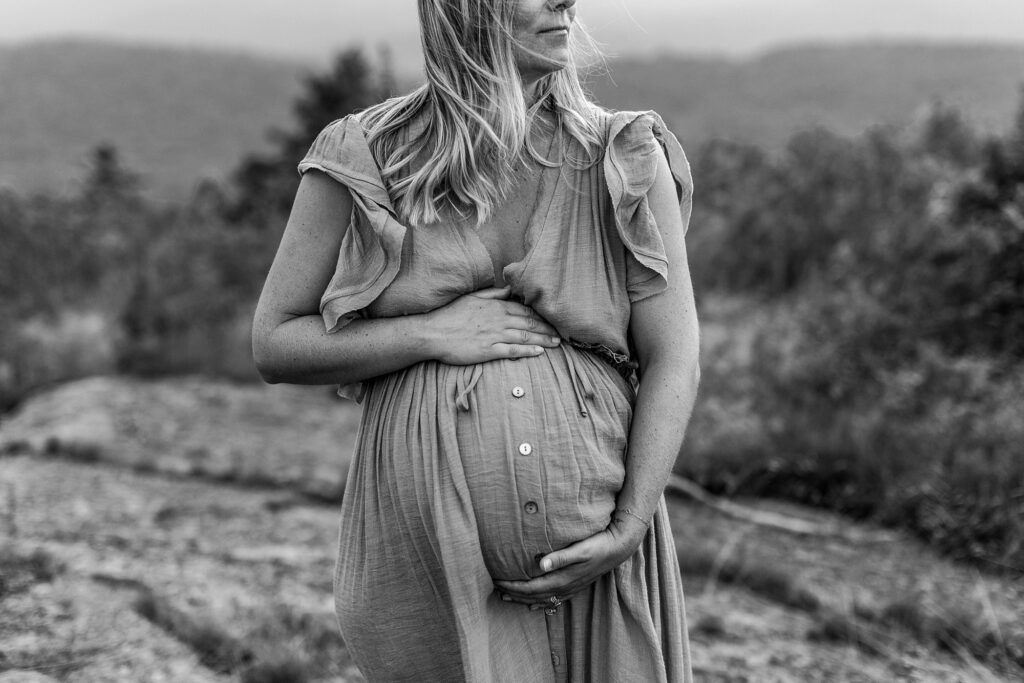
[[467, 474]]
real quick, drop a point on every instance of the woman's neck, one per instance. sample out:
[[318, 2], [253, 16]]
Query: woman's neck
[[532, 92]]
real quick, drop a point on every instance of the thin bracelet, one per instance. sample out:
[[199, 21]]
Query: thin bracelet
[[627, 511]]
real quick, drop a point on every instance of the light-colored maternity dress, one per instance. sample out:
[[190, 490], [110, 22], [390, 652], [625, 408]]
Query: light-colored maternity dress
[[465, 474]]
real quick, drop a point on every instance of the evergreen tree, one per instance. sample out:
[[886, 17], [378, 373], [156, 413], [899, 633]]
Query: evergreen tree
[[266, 183]]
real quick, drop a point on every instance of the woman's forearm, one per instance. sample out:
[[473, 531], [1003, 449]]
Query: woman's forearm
[[301, 351], [661, 413], [474, 328]]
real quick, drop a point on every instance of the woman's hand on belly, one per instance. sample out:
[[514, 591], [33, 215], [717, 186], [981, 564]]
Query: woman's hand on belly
[[484, 325], [571, 569]]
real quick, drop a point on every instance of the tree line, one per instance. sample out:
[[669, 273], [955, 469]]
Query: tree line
[[884, 275]]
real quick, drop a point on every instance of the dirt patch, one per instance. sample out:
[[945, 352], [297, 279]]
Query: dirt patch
[[137, 570], [297, 437]]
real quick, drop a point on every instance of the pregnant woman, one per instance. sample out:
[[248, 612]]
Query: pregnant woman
[[495, 268]]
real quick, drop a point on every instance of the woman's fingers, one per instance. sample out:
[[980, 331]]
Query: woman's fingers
[[543, 587], [519, 343], [521, 336], [484, 325], [538, 591], [517, 350], [559, 582], [524, 318], [563, 558], [569, 570]]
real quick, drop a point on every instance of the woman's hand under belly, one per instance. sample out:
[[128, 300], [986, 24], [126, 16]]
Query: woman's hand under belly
[[542, 443], [572, 569]]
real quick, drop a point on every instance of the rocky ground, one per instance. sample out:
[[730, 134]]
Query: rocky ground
[[184, 530]]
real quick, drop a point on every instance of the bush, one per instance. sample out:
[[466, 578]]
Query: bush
[[109, 279], [847, 412], [884, 371]]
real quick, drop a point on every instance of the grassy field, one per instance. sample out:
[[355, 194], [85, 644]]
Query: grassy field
[[184, 530]]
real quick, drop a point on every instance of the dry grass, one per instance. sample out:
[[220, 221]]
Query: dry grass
[[963, 630], [216, 649], [294, 438], [709, 626], [767, 582], [284, 645], [845, 629], [21, 568], [963, 627], [285, 670]]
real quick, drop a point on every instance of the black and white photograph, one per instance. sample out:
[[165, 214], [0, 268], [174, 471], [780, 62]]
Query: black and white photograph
[[512, 341]]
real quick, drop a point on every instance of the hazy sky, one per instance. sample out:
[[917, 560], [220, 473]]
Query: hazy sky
[[316, 28]]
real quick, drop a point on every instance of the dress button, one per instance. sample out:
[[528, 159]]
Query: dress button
[[555, 659], [531, 508], [518, 392], [525, 449]]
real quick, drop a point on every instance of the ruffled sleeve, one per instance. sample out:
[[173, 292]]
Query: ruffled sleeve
[[371, 248], [635, 139]]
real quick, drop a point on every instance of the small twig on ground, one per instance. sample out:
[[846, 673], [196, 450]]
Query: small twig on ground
[[690, 489]]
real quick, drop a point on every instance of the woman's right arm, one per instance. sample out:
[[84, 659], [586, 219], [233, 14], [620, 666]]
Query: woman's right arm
[[289, 338]]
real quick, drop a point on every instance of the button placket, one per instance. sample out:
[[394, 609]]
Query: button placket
[[556, 639], [527, 465]]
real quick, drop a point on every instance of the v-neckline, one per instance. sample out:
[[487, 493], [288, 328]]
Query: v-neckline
[[535, 225]]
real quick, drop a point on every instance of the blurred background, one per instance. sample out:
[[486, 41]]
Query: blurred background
[[850, 500]]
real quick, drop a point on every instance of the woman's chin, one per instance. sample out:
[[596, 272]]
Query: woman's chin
[[538, 66]]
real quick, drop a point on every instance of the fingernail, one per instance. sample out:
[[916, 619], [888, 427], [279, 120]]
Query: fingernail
[[556, 340], [506, 598], [545, 565]]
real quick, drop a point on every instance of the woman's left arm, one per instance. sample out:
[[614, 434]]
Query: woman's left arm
[[665, 335]]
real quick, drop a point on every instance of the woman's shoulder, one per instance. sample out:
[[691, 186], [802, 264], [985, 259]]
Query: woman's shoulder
[[342, 151], [342, 137], [632, 124], [635, 140]]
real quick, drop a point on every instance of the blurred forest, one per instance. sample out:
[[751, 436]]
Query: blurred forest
[[868, 295]]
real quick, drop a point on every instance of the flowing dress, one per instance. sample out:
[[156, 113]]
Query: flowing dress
[[466, 474]]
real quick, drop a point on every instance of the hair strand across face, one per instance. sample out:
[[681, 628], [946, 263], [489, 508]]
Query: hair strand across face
[[456, 142]]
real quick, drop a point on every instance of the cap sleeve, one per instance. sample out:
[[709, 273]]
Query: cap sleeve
[[635, 139], [371, 248]]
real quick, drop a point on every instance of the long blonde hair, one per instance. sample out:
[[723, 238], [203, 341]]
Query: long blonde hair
[[456, 141]]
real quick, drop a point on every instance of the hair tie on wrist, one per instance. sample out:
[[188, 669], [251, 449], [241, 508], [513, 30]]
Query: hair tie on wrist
[[627, 511]]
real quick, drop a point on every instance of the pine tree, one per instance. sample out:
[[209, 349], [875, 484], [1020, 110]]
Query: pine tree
[[266, 183]]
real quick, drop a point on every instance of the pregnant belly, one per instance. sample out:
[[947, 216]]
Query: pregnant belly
[[521, 457], [542, 443]]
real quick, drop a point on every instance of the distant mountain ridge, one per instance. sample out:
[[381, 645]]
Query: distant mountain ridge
[[176, 115], [846, 88], [180, 115]]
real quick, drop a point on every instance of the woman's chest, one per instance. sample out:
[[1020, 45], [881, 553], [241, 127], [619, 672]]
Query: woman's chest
[[456, 256], [506, 233], [554, 243]]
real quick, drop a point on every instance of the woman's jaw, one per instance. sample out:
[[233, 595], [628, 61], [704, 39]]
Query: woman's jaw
[[541, 40]]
